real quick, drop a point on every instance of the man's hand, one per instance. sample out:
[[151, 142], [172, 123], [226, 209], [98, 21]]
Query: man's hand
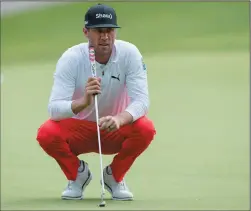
[[92, 87], [109, 123], [112, 123]]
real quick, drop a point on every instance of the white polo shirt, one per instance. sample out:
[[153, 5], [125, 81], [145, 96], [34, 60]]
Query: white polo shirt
[[124, 84]]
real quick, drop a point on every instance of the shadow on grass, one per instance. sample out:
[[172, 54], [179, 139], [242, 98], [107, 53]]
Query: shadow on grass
[[45, 203], [53, 200]]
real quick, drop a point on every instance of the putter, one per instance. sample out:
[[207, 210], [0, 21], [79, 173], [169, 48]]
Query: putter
[[93, 69]]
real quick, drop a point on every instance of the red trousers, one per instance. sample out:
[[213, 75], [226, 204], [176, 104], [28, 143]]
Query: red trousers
[[66, 139]]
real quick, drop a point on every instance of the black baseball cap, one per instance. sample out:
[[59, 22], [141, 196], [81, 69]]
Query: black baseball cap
[[101, 16]]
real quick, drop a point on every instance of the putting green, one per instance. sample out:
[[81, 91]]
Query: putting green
[[199, 159]]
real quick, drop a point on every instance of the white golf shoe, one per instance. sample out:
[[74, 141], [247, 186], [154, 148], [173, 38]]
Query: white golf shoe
[[119, 191], [75, 189]]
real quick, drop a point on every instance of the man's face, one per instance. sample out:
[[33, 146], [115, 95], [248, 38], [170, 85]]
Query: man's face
[[102, 39]]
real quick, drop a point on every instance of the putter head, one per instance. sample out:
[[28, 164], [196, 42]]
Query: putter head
[[102, 204]]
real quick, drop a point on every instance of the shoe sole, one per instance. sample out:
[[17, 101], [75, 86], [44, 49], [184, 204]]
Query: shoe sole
[[83, 187], [71, 198], [115, 198], [122, 199]]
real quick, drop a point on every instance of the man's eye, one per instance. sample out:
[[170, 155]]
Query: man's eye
[[108, 30]]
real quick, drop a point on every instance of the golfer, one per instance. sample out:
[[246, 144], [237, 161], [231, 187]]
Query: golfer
[[122, 89]]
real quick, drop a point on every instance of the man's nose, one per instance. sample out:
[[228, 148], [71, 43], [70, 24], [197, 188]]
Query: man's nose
[[104, 35]]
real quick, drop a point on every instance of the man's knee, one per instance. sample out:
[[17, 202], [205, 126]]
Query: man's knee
[[48, 134], [145, 128]]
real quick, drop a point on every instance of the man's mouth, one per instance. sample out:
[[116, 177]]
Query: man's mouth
[[103, 44]]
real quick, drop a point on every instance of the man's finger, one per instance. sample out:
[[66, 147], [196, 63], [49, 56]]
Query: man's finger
[[93, 78], [94, 87], [103, 126], [112, 128], [110, 124], [90, 79], [92, 83], [103, 120]]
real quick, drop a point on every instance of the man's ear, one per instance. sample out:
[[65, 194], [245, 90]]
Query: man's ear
[[85, 30]]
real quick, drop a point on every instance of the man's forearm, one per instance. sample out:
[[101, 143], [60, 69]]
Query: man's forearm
[[138, 108], [125, 118], [59, 110], [78, 105], [63, 109]]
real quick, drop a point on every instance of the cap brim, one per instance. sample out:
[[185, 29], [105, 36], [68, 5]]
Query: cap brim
[[102, 26]]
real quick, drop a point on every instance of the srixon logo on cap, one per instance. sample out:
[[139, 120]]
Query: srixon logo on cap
[[100, 15]]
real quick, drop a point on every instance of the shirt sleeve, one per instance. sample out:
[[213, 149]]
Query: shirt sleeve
[[60, 101], [137, 85]]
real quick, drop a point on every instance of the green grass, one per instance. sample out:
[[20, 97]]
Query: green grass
[[198, 69], [199, 159], [154, 27]]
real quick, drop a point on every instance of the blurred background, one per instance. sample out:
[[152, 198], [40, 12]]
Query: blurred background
[[197, 55]]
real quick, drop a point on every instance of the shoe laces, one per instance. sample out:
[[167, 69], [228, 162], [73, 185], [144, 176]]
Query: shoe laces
[[69, 186], [122, 185]]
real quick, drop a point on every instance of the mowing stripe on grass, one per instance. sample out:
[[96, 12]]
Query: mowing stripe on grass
[[2, 78]]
